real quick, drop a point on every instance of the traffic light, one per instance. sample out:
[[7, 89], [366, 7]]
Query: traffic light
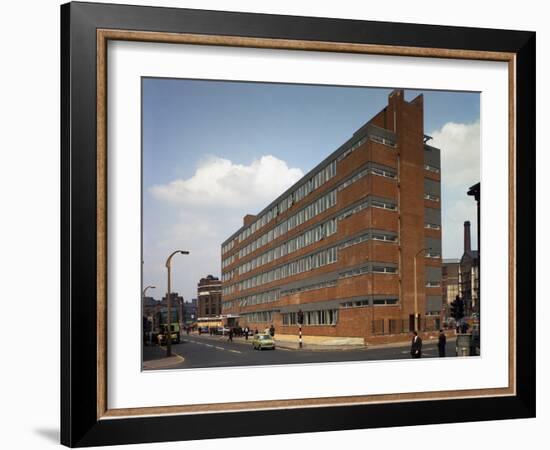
[[457, 308], [300, 317]]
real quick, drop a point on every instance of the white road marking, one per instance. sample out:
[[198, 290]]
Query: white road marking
[[234, 351], [219, 348], [209, 345]]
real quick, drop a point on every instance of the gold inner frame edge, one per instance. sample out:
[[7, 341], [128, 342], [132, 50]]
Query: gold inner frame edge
[[103, 36]]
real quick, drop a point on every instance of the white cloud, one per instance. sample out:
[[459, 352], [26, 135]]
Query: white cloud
[[460, 168], [221, 183], [454, 215], [198, 213], [460, 155]]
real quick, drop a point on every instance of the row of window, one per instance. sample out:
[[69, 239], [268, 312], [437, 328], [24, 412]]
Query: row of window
[[309, 237], [378, 139], [431, 168], [228, 246], [367, 171], [227, 261], [314, 235], [432, 226], [321, 317], [433, 254], [366, 302], [229, 289], [354, 147], [382, 140], [301, 192], [315, 182], [433, 284], [312, 210], [376, 236], [304, 264], [256, 299], [317, 207], [309, 287], [433, 198], [368, 269], [385, 204], [227, 276], [259, 316]]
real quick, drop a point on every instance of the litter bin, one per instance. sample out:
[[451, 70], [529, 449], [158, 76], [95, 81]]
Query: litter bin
[[463, 344]]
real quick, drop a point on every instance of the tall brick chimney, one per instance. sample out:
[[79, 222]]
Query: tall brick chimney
[[467, 239]]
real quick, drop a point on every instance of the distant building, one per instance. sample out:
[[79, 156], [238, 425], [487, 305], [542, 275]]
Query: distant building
[[469, 274], [209, 292], [190, 311], [450, 284], [152, 308]]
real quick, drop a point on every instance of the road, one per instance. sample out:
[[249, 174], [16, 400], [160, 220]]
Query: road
[[216, 351]]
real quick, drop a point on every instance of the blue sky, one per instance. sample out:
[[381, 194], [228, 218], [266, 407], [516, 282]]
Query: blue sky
[[236, 145]]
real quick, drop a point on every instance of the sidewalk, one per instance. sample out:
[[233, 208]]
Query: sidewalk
[[154, 358], [404, 343]]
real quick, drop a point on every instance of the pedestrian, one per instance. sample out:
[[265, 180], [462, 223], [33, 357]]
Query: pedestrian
[[246, 333], [272, 331], [256, 331], [231, 335], [416, 346], [442, 344]]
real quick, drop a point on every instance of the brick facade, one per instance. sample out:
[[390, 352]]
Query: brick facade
[[340, 244]]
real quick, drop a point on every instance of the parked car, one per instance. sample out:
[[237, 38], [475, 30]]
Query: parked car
[[262, 341]]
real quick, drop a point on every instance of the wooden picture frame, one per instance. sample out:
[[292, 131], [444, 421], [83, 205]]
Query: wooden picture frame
[[86, 418]]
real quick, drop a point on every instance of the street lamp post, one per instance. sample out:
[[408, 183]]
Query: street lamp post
[[169, 303], [142, 306], [416, 318], [145, 290]]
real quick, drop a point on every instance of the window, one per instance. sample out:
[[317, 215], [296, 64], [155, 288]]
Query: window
[[432, 226], [433, 254], [433, 198], [431, 168], [321, 317], [382, 204], [382, 140], [385, 301], [384, 269]]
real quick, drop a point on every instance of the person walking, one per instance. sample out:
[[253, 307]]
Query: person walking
[[272, 331], [246, 333], [442, 344], [231, 335], [416, 346]]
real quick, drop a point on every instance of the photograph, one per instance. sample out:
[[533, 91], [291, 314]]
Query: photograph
[[301, 223]]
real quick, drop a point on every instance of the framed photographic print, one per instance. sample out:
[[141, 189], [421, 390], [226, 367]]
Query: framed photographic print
[[275, 224]]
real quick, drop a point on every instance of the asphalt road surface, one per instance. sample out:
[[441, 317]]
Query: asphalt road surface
[[217, 351]]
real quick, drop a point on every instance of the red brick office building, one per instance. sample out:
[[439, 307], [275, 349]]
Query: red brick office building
[[340, 245]]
